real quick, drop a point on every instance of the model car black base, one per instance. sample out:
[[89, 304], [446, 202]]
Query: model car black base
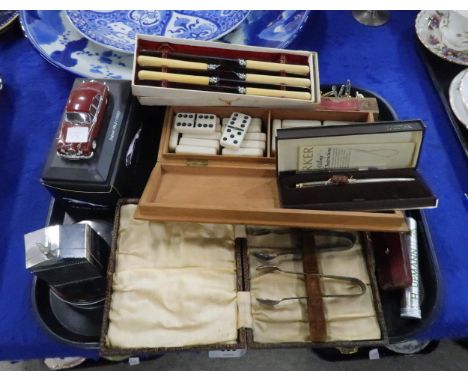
[[118, 164]]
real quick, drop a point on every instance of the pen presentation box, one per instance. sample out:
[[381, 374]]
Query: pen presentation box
[[364, 153], [242, 190], [168, 92], [176, 286]]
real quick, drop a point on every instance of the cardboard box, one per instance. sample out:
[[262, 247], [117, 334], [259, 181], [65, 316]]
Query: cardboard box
[[158, 93]]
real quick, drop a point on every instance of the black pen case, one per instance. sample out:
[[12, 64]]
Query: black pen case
[[353, 152]]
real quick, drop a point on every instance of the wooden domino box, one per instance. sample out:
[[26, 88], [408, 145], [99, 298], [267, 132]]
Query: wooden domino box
[[243, 190]]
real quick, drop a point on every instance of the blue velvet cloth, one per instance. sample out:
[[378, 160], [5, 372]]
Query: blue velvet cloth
[[383, 59]]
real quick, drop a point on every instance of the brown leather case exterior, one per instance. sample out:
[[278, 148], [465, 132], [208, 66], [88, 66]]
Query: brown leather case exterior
[[245, 335], [392, 260], [317, 324]]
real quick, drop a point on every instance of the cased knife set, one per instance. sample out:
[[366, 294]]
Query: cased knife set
[[187, 72]]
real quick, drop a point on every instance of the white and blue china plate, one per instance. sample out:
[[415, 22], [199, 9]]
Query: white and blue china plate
[[117, 29], [58, 41], [7, 19]]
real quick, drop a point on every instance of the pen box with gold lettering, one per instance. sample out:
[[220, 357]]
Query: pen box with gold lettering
[[362, 167]]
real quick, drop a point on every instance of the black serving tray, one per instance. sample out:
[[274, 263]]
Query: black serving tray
[[442, 73], [398, 329], [78, 326], [386, 111]]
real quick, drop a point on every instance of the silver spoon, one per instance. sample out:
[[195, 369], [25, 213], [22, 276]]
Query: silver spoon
[[266, 301]]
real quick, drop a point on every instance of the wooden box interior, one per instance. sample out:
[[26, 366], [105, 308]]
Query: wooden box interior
[[242, 190]]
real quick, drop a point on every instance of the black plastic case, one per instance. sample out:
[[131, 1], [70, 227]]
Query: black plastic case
[[100, 181]]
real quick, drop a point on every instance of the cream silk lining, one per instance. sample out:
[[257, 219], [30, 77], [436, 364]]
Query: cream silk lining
[[175, 285], [346, 318]]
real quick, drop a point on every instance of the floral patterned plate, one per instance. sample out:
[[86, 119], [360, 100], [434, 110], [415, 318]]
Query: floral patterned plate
[[428, 25], [117, 29], [457, 103], [53, 35]]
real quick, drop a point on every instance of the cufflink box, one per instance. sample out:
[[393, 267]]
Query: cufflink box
[[166, 93], [110, 173], [64, 254], [71, 259], [121, 327], [368, 153], [243, 190]]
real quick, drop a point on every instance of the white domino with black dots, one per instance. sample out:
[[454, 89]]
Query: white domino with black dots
[[206, 123], [184, 122], [255, 125], [192, 123], [195, 133], [235, 130], [190, 136]]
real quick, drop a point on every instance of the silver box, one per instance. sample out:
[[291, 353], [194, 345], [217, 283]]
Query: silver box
[[64, 254]]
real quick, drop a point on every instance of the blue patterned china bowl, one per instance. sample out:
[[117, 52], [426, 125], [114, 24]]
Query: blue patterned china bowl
[[272, 29], [58, 41], [117, 29]]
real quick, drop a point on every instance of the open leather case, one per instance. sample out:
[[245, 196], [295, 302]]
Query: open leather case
[[176, 286]]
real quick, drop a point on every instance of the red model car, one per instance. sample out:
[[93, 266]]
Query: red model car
[[82, 120]]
